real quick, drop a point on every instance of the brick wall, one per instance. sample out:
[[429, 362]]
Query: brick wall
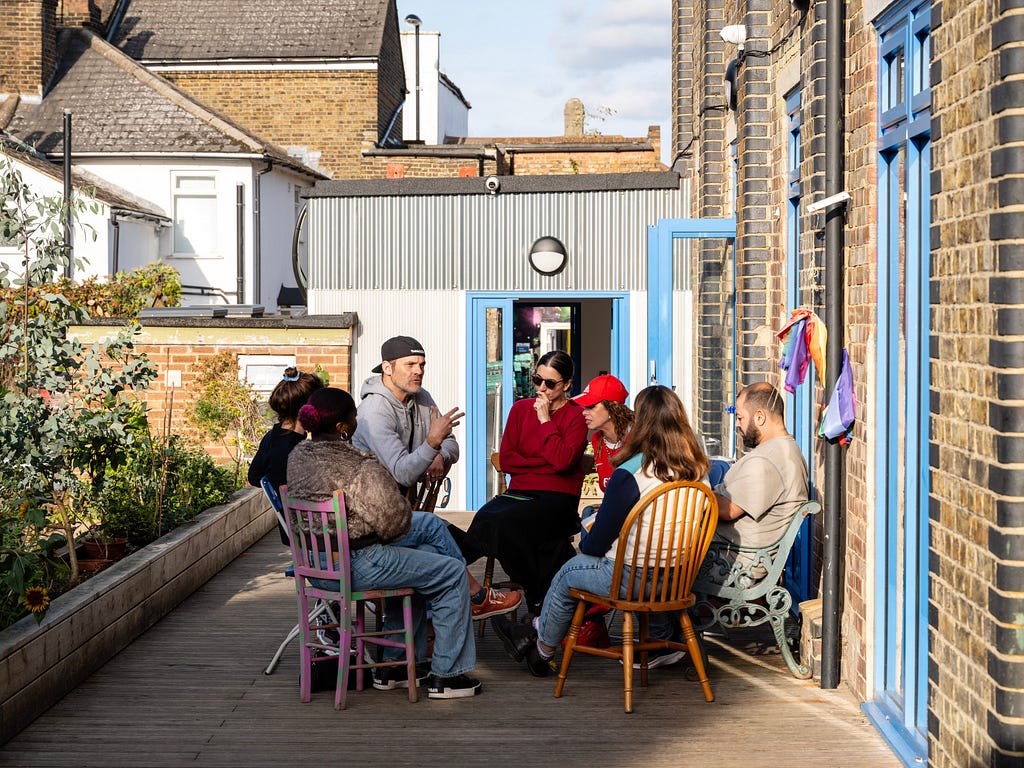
[[976, 665], [27, 45], [332, 112], [976, 508], [181, 348]]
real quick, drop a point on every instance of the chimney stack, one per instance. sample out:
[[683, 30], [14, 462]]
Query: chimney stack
[[574, 117], [28, 37]]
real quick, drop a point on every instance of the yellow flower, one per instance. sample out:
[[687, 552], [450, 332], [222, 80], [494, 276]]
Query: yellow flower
[[37, 599]]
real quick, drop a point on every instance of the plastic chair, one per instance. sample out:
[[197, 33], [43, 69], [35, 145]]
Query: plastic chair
[[321, 608], [319, 536], [661, 546]]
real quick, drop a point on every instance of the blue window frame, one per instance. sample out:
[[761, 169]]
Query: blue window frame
[[800, 410], [899, 706]]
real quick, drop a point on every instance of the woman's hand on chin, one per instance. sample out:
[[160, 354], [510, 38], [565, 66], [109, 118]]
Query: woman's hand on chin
[[542, 407]]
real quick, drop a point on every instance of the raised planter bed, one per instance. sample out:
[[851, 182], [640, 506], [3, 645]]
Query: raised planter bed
[[85, 627]]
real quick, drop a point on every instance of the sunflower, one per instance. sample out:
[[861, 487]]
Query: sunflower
[[37, 599]]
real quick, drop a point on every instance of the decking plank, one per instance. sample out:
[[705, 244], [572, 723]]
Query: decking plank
[[191, 691]]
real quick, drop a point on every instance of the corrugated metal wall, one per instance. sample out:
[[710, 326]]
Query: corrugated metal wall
[[480, 242]]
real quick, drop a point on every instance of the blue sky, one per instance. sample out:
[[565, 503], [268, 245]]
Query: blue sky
[[519, 61]]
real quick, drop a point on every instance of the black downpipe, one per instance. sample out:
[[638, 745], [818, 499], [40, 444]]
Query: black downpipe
[[834, 297], [240, 242], [117, 245], [69, 243]]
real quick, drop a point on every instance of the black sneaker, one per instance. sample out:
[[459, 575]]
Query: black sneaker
[[458, 687], [517, 638], [389, 678]]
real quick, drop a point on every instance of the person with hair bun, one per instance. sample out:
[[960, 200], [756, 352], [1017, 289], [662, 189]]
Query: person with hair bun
[[271, 459], [379, 516]]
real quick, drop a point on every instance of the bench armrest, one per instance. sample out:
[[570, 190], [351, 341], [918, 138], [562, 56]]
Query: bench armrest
[[730, 571]]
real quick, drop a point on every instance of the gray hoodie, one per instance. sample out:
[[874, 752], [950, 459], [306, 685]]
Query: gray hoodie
[[388, 428]]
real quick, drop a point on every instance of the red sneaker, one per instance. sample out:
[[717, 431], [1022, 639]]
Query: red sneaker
[[495, 603]]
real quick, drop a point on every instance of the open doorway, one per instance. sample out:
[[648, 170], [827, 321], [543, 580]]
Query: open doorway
[[508, 335]]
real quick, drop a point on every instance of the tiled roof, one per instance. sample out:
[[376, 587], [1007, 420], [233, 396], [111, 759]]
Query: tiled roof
[[204, 30], [100, 189], [120, 107]]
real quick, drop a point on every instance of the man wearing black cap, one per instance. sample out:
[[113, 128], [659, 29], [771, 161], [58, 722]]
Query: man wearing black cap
[[399, 420], [400, 423]]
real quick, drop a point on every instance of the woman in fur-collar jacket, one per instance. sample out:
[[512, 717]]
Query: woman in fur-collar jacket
[[378, 514], [373, 505]]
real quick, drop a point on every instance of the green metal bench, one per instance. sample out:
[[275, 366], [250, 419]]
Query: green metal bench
[[743, 599]]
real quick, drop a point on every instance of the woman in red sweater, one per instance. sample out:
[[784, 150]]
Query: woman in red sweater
[[528, 528]]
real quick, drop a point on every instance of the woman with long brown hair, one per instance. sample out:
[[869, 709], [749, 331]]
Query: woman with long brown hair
[[661, 447]]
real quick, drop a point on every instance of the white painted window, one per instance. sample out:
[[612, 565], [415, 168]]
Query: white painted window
[[195, 215]]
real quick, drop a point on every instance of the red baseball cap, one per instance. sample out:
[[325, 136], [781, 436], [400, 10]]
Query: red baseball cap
[[605, 387]]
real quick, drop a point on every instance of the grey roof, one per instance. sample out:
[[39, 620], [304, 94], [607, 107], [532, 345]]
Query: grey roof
[[120, 107], [205, 30], [583, 182]]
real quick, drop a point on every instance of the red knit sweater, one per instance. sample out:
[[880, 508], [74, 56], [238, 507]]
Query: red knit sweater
[[544, 457]]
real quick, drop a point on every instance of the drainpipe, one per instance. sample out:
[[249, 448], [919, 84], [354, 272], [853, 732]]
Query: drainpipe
[[69, 242], [240, 243], [834, 281], [257, 238], [117, 244]]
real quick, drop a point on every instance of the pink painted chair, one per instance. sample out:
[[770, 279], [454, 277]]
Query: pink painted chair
[[319, 541]]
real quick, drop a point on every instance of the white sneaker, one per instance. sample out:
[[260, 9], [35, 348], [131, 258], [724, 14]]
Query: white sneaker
[[665, 658]]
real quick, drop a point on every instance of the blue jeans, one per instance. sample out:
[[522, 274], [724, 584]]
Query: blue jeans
[[441, 580], [591, 574], [429, 532]]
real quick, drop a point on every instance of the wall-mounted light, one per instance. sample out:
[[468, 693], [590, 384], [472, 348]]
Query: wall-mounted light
[[548, 256]]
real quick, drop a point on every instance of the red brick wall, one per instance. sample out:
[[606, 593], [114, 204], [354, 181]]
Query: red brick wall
[[183, 348]]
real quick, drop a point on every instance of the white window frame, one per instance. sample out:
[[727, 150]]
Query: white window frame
[[214, 203]]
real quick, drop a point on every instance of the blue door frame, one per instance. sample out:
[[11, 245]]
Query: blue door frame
[[477, 304], [660, 326]]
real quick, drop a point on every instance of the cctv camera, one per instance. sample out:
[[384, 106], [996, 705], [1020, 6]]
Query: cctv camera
[[735, 34], [492, 184]]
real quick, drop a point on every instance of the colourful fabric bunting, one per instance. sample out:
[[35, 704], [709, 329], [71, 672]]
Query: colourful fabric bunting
[[837, 421]]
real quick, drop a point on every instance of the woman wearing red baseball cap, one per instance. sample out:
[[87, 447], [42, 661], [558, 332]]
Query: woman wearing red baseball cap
[[605, 412]]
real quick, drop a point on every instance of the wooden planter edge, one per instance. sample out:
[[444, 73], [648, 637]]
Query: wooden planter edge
[[88, 625]]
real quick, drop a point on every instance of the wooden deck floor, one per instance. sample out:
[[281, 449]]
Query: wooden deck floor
[[191, 692]]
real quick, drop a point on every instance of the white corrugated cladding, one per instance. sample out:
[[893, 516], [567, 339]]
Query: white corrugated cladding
[[480, 242]]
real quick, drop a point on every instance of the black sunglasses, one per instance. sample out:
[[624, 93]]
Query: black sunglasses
[[549, 383]]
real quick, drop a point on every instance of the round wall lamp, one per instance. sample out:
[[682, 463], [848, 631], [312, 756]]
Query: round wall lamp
[[548, 256]]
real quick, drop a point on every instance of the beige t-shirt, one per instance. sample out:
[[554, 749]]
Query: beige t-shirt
[[769, 483]]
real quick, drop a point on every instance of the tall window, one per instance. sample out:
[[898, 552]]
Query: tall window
[[800, 408], [195, 215], [899, 707]]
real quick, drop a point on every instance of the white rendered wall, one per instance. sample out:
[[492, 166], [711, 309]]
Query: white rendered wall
[[277, 220], [92, 251], [153, 180], [441, 111]]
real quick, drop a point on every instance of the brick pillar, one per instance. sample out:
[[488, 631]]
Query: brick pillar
[[28, 44]]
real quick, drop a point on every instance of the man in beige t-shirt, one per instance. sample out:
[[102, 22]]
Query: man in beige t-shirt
[[762, 490]]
